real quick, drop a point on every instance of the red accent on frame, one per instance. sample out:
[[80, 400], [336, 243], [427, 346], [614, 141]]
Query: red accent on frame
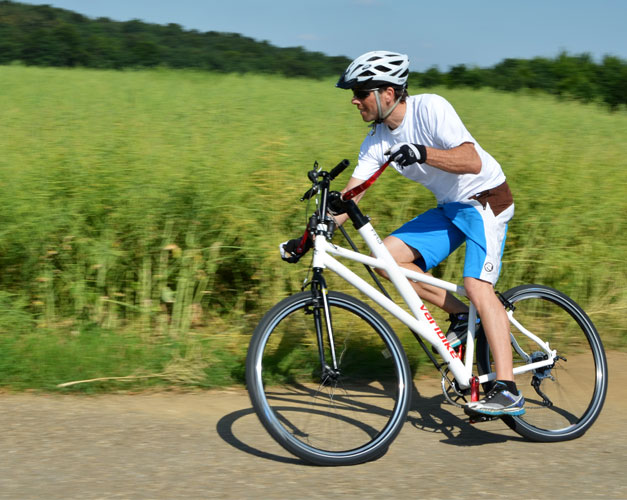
[[474, 389]]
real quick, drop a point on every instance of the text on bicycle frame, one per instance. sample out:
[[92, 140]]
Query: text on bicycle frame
[[439, 332]]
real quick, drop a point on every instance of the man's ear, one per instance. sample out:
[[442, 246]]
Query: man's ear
[[389, 94]]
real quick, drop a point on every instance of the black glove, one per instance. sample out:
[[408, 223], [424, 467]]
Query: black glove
[[289, 249], [405, 154]]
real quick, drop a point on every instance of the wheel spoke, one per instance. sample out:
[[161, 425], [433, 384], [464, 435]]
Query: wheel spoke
[[324, 415], [571, 394]]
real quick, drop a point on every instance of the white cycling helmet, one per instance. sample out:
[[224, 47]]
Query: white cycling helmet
[[376, 68]]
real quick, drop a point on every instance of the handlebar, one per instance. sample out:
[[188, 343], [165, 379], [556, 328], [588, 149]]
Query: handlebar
[[340, 167], [322, 179], [329, 176], [334, 201]]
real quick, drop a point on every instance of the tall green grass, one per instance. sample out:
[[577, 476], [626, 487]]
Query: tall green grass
[[147, 206]]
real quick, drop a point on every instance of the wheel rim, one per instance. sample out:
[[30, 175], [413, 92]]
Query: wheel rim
[[342, 417], [575, 385]]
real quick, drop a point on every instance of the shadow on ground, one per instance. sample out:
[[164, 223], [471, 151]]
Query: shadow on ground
[[431, 414]]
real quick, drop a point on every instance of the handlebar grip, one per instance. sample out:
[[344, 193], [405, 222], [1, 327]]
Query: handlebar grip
[[339, 169]]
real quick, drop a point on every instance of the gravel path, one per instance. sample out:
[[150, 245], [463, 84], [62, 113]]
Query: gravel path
[[210, 445]]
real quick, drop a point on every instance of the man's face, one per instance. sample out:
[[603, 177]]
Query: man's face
[[366, 104]]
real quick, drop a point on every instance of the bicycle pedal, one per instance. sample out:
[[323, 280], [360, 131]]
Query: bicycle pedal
[[477, 418]]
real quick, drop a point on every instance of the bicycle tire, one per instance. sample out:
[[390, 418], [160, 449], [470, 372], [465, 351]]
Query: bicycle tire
[[346, 421], [576, 384]]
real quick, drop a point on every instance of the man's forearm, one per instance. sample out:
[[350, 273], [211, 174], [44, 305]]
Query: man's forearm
[[463, 159]]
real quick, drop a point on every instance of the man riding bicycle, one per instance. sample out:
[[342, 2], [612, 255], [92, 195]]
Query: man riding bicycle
[[427, 142]]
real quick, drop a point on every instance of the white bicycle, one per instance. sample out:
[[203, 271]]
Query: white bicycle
[[330, 381]]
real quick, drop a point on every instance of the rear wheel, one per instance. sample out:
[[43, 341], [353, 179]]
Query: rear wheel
[[564, 399], [326, 416]]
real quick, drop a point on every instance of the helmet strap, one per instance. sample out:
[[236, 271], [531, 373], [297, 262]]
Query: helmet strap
[[381, 114]]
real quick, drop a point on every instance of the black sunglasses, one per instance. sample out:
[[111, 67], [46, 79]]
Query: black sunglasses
[[362, 94]]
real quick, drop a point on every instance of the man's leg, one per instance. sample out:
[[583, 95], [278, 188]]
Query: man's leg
[[495, 324], [504, 397], [405, 257]]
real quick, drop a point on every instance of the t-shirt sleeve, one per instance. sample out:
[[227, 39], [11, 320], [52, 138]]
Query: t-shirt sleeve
[[446, 127]]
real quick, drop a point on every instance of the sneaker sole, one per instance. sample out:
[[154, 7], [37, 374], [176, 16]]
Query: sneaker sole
[[514, 412]]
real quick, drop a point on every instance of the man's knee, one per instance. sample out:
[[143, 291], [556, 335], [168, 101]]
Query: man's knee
[[401, 251], [477, 290]]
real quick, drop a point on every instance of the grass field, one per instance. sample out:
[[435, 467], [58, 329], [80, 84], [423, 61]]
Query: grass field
[[141, 212]]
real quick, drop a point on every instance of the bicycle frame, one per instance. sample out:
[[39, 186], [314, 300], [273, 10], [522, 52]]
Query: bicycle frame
[[347, 402], [420, 320]]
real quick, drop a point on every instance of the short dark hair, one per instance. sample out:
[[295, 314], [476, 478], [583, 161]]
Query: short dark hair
[[399, 92]]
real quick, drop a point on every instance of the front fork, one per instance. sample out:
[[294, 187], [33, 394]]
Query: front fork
[[321, 308]]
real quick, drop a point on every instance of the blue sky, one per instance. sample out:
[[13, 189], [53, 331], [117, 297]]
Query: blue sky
[[435, 33]]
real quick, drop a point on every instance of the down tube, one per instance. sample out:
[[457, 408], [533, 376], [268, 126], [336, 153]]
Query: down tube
[[422, 327]]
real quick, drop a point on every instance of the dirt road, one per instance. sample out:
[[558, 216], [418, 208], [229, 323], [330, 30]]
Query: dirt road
[[210, 445]]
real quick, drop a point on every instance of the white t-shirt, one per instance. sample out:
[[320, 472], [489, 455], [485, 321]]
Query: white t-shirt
[[430, 120]]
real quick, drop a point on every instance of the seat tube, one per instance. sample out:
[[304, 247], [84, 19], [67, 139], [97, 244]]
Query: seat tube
[[471, 337]]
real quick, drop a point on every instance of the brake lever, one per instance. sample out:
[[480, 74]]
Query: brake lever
[[313, 177], [310, 192]]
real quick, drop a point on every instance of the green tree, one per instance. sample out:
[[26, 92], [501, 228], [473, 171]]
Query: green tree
[[460, 75], [10, 44], [612, 78], [575, 76], [68, 46], [431, 78]]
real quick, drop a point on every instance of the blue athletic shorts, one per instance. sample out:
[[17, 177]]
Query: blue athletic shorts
[[436, 233]]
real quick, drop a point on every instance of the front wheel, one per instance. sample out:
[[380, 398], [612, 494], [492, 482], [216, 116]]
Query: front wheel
[[564, 399], [326, 415]]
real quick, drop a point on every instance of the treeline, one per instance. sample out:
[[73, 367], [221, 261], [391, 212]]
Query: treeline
[[572, 76], [42, 35]]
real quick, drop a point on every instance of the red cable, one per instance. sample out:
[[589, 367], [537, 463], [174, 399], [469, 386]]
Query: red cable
[[351, 193], [301, 246]]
